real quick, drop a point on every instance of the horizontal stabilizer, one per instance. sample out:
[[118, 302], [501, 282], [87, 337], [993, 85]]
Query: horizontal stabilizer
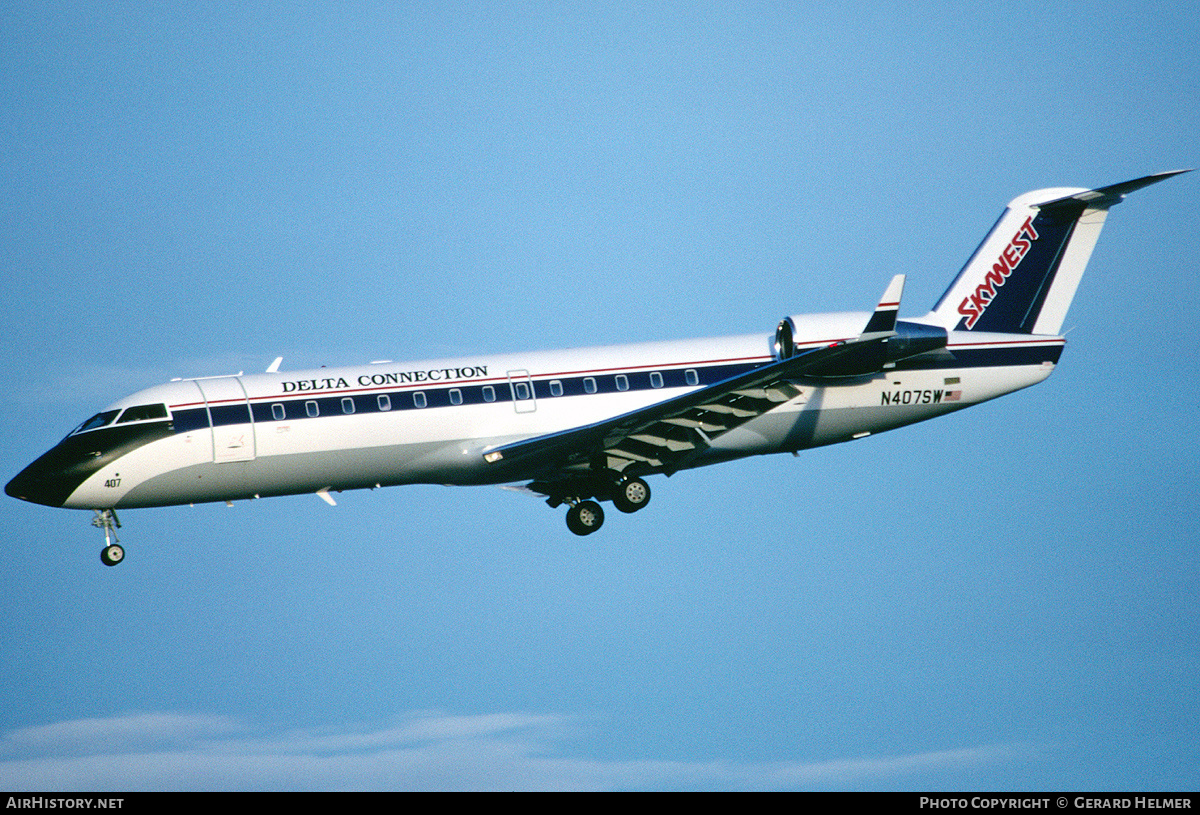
[[1112, 194]]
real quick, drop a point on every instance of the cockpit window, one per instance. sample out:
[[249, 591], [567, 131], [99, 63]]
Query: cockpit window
[[99, 420], [141, 413]]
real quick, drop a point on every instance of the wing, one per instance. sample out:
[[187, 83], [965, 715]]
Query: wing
[[665, 436]]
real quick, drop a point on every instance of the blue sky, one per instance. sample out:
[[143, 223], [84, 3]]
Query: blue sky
[[1003, 598]]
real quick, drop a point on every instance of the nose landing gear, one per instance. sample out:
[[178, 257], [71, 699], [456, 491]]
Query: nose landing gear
[[112, 553]]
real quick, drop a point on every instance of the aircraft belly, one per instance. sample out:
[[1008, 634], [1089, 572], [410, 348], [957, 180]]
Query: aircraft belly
[[337, 453], [905, 397], [831, 414], [304, 472]]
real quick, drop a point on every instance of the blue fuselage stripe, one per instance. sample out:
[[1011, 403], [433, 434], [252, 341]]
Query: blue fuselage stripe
[[313, 405]]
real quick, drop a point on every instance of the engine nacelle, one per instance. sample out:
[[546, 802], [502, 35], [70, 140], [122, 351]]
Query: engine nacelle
[[908, 340], [785, 343]]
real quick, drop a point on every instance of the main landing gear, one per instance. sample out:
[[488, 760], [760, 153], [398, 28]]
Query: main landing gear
[[586, 516], [631, 494], [112, 553]]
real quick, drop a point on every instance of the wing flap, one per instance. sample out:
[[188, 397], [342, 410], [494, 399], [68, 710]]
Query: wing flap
[[663, 436], [712, 411]]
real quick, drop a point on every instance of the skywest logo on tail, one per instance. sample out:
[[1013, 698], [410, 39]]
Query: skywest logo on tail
[[972, 307]]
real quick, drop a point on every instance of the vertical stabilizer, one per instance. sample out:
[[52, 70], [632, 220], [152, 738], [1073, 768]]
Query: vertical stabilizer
[[1022, 278]]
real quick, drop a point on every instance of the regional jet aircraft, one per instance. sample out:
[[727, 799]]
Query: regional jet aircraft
[[588, 425]]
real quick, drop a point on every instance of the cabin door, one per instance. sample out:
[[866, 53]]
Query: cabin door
[[230, 418]]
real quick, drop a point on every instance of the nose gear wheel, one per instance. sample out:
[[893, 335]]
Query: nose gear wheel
[[112, 553]]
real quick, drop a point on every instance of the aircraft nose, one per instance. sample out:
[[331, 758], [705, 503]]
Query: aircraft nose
[[57, 473], [39, 484]]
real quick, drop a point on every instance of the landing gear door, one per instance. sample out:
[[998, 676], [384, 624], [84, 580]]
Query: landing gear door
[[229, 415]]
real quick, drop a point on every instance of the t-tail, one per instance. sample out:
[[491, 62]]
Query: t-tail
[[1022, 278]]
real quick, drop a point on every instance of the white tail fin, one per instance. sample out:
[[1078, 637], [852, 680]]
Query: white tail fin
[[1022, 278]]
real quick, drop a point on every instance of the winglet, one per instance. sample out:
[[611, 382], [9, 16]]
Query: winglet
[[883, 321]]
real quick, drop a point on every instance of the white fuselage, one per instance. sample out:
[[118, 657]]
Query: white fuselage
[[432, 421]]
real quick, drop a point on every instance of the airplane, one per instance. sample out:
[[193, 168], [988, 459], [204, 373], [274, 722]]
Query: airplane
[[586, 425]]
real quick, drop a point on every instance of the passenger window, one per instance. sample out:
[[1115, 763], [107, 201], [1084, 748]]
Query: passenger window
[[656, 380], [312, 409], [622, 382], [278, 412], [347, 406], [691, 376], [589, 384], [455, 396], [521, 390], [143, 412], [489, 393], [384, 401], [419, 399], [556, 388]]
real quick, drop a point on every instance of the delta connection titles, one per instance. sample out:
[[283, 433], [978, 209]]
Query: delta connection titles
[[397, 378], [1061, 802]]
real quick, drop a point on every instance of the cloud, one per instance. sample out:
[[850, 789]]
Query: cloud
[[422, 751], [121, 734]]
